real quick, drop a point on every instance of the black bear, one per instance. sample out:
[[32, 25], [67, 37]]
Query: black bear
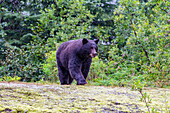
[[74, 58]]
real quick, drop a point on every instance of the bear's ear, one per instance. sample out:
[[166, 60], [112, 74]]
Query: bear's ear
[[96, 41], [84, 41]]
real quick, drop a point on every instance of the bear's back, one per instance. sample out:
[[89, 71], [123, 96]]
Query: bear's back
[[68, 47], [71, 45]]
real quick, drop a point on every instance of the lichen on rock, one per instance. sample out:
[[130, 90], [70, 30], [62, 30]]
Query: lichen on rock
[[24, 97]]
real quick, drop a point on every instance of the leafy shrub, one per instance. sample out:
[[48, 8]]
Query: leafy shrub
[[50, 67], [25, 62], [10, 79], [64, 21], [114, 71], [97, 71], [142, 36], [141, 48]]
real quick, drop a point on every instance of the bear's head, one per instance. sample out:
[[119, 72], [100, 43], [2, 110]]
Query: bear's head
[[89, 48]]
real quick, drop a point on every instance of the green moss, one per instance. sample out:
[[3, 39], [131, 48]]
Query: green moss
[[57, 98]]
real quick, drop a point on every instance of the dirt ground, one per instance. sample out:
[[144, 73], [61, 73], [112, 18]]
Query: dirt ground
[[30, 97]]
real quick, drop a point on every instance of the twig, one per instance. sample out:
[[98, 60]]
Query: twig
[[145, 100], [146, 53]]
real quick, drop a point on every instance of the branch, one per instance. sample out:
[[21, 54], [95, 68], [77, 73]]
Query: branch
[[146, 53], [164, 10], [145, 100]]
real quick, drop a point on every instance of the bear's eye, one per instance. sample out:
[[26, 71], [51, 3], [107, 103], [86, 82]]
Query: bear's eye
[[96, 49]]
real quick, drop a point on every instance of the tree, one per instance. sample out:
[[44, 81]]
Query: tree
[[142, 37], [18, 57]]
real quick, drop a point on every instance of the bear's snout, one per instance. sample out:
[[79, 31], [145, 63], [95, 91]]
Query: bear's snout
[[93, 53]]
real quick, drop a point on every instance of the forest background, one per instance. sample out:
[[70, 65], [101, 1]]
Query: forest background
[[134, 48]]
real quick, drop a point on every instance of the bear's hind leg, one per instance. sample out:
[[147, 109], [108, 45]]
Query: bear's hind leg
[[63, 76]]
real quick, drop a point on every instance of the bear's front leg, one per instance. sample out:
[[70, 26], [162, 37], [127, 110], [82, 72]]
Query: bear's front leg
[[86, 67], [75, 72]]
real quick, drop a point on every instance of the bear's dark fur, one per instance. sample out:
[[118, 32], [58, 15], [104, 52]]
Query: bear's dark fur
[[74, 59]]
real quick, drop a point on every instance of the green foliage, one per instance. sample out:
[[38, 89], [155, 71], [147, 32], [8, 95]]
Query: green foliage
[[102, 24], [97, 72], [50, 67], [139, 55], [68, 21], [15, 19], [24, 62], [10, 79], [142, 35], [111, 72]]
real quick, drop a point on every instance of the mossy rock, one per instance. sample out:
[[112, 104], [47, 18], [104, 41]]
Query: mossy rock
[[28, 98]]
